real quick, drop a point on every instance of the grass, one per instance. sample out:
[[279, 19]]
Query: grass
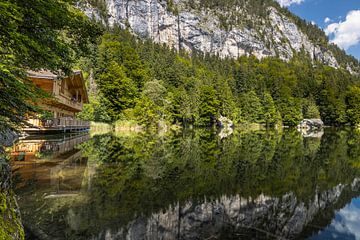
[[121, 126]]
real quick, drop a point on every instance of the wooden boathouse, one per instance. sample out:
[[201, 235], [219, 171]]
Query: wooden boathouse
[[67, 98]]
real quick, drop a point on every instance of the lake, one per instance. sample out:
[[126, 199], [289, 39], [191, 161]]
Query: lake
[[194, 184]]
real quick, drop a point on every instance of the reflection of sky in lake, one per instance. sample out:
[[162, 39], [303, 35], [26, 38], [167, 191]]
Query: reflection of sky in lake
[[346, 224]]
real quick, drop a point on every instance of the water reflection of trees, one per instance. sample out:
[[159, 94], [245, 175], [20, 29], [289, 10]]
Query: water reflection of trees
[[139, 175], [145, 173]]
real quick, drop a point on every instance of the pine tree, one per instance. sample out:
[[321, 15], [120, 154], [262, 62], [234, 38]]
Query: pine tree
[[270, 112], [209, 106], [353, 105], [251, 108]]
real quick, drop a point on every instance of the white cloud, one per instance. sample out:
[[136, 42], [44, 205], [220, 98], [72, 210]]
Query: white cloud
[[348, 221], [327, 20], [286, 3], [313, 23], [347, 33]]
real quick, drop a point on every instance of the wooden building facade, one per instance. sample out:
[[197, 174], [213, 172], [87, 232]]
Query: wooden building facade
[[67, 98]]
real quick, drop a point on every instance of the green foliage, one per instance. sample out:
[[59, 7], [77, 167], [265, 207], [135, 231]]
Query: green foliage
[[332, 108], [45, 115], [152, 106], [353, 105], [10, 220], [291, 111], [171, 7], [197, 89], [310, 110], [99, 5], [147, 112], [13, 107], [194, 89], [227, 101], [155, 91], [120, 91], [118, 47], [269, 109], [37, 35], [95, 111], [251, 108], [209, 105]]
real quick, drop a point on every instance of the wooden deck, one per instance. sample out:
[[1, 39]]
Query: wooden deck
[[56, 125]]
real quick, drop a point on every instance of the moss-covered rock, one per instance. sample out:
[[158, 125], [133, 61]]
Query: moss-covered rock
[[10, 220]]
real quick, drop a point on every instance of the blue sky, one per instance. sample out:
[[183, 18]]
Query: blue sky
[[345, 225], [342, 19]]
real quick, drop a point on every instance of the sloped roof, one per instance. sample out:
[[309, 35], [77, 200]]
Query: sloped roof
[[42, 74], [79, 75]]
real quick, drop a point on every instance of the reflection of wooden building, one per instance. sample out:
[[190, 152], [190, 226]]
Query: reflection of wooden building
[[33, 149], [55, 163], [68, 96]]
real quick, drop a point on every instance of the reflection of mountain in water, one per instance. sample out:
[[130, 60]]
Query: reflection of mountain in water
[[253, 185], [345, 223], [231, 217]]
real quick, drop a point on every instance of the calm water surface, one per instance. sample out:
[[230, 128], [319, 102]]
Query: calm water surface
[[190, 185]]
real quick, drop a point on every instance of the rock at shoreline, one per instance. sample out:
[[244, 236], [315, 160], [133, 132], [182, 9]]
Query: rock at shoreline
[[311, 124], [7, 139], [224, 122], [226, 126]]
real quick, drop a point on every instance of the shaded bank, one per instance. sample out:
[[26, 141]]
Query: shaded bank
[[10, 219]]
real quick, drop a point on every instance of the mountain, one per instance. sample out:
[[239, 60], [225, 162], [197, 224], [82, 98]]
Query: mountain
[[183, 62], [229, 28]]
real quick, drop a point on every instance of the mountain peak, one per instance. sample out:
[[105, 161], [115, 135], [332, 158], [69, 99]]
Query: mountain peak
[[229, 29]]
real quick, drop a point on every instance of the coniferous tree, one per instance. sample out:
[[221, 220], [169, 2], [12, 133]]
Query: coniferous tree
[[197, 89], [209, 105], [251, 108], [270, 112], [352, 105]]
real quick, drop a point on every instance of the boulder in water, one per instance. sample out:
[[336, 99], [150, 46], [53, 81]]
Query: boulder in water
[[224, 122], [311, 124]]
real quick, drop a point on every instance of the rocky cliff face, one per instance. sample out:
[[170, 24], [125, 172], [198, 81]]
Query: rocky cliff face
[[202, 29]]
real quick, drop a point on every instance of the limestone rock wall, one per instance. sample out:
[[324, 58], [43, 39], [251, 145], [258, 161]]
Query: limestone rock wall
[[201, 30]]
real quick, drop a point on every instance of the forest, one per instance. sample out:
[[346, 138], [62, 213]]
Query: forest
[[147, 83], [138, 81]]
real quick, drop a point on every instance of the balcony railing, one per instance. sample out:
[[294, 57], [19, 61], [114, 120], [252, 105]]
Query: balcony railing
[[58, 123], [69, 102]]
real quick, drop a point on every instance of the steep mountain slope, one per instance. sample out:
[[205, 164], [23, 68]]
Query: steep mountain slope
[[230, 28], [262, 65]]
